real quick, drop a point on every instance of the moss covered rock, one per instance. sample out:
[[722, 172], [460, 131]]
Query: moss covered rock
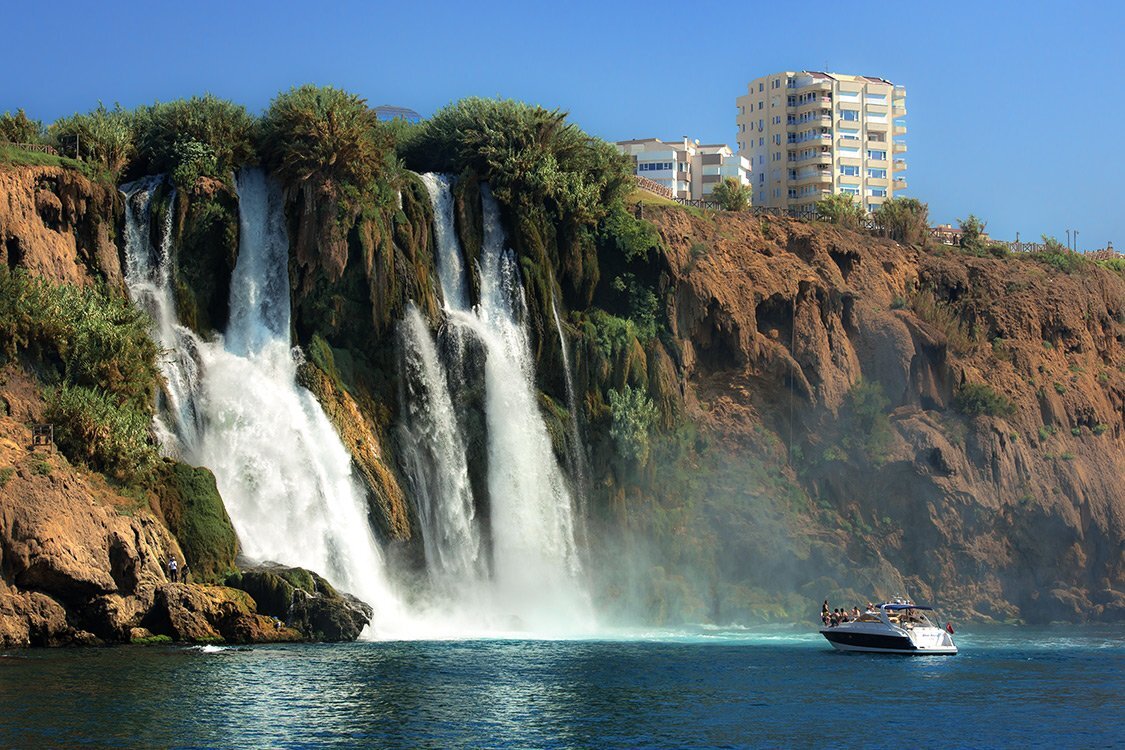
[[305, 601], [188, 500]]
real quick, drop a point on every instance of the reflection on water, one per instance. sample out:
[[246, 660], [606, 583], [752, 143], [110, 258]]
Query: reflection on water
[[779, 687]]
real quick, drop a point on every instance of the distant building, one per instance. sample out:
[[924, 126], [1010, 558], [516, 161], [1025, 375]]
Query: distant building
[[687, 168], [809, 134], [386, 113]]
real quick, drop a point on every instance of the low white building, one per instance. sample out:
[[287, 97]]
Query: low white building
[[687, 168]]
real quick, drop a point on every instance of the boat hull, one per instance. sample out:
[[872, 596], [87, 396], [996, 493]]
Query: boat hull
[[885, 643]]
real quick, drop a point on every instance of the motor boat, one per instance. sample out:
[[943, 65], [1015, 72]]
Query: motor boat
[[898, 627]]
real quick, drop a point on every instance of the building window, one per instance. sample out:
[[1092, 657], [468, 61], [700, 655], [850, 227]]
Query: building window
[[849, 190], [654, 166], [761, 178], [878, 174], [761, 141], [876, 155], [849, 171], [878, 192], [849, 115], [777, 140], [761, 87]]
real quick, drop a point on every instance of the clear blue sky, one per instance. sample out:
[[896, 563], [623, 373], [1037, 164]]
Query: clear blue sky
[[1015, 109]]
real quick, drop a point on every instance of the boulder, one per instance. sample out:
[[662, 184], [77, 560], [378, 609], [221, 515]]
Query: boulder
[[304, 601]]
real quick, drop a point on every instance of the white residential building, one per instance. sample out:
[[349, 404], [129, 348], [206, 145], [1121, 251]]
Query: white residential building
[[687, 168], [809, 134]]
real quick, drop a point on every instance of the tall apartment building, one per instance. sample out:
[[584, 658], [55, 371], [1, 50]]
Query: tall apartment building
[[687, 168], [810, 134]]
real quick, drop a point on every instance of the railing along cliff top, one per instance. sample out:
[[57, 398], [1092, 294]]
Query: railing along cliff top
[[40, 147]]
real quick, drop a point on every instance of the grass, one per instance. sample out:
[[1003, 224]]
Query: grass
[[6, 476], [18, 157]]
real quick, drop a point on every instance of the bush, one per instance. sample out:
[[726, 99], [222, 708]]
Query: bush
[[97, 429], [97, 346], [840, 209], [961, 337], [1059, 257], [19, 128], [103, 136], [200, 136], [1099, 428], [6, 475], [529, 155], [323, 135], [732, 195], [972, 231], [628, 235], [975, 399], [996, 250], [905, 220], [634, 416], [867, 404], [642, 304]]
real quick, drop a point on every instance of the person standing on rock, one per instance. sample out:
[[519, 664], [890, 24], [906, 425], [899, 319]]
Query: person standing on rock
[[172, 569]]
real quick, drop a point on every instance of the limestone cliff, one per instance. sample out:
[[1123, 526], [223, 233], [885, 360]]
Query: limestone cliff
[[1014, 508]]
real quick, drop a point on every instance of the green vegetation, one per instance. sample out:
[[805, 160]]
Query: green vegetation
[[732, 195], [6, 476], [962, 338], [1058, 256], [972, 231], [840, 209], [42, 467], [1059, 388], [323, 136], [642, 305], [905, 220], [103, 137], [152, 640], [633, 238], [19, 128], [531, 157], [634, 417], [192, 138], [95, 345], [866, 405], [1099, 428], [975, 399], [1047, 431]]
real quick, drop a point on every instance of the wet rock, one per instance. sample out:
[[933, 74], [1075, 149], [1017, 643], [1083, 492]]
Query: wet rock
[[305, 601]]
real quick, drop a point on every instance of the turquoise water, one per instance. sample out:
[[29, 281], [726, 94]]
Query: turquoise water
[[1012, 687]]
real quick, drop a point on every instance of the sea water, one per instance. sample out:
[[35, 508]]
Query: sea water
[[699, 688]]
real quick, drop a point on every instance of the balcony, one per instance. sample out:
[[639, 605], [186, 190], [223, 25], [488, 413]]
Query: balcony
[[899, 130], [877, 182], [849, 142], [900, 184], [899, 110], [822, 85], [878, 164], [819, 101], [848, 179], [821, 176], [876, 108], [900, 165], [900, 148]]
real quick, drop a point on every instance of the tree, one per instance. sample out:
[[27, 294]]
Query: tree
[[19, 128], [323, 135], [972, 232], [840, 209], [203, 135], [634, 416], [732, 195], [104, 136], [905, 220]]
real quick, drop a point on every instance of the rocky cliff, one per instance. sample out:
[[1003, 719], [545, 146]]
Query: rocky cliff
[[959, 418]]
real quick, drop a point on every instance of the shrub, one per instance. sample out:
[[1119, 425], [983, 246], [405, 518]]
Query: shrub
[[975, 399], [732, 195], [104, 136], [6, 476], [611, 333], [529, 155], [1059, 257], [972, 230], [905, 220], [1076, 431], [628, 235], [898, 303], [96, 429], [323, 135], [1059, 388], [42, 467], [840, 209], [926, 305], [634, 416], [1067, 456], [1099, 428], [867, 404], [996, 250], [19, 128], [204, 135], [642, 304]]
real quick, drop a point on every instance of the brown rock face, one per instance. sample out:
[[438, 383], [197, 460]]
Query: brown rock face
[[59, 225], [1006, 513]]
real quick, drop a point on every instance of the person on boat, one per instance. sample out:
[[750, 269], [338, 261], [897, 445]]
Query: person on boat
[[855, 613]]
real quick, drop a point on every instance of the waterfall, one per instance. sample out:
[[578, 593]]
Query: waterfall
[[536, 579], [285, 476], [576, 455], [148, 274]]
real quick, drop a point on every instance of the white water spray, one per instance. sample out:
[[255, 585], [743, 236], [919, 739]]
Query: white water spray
[[536, 580], [285, 477]]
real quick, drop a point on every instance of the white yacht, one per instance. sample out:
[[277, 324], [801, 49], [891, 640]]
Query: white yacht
[[898, 627]]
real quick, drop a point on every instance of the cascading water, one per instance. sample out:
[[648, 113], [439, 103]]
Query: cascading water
[[536, 580], [148, 273], [577, 458], [285, 477]]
